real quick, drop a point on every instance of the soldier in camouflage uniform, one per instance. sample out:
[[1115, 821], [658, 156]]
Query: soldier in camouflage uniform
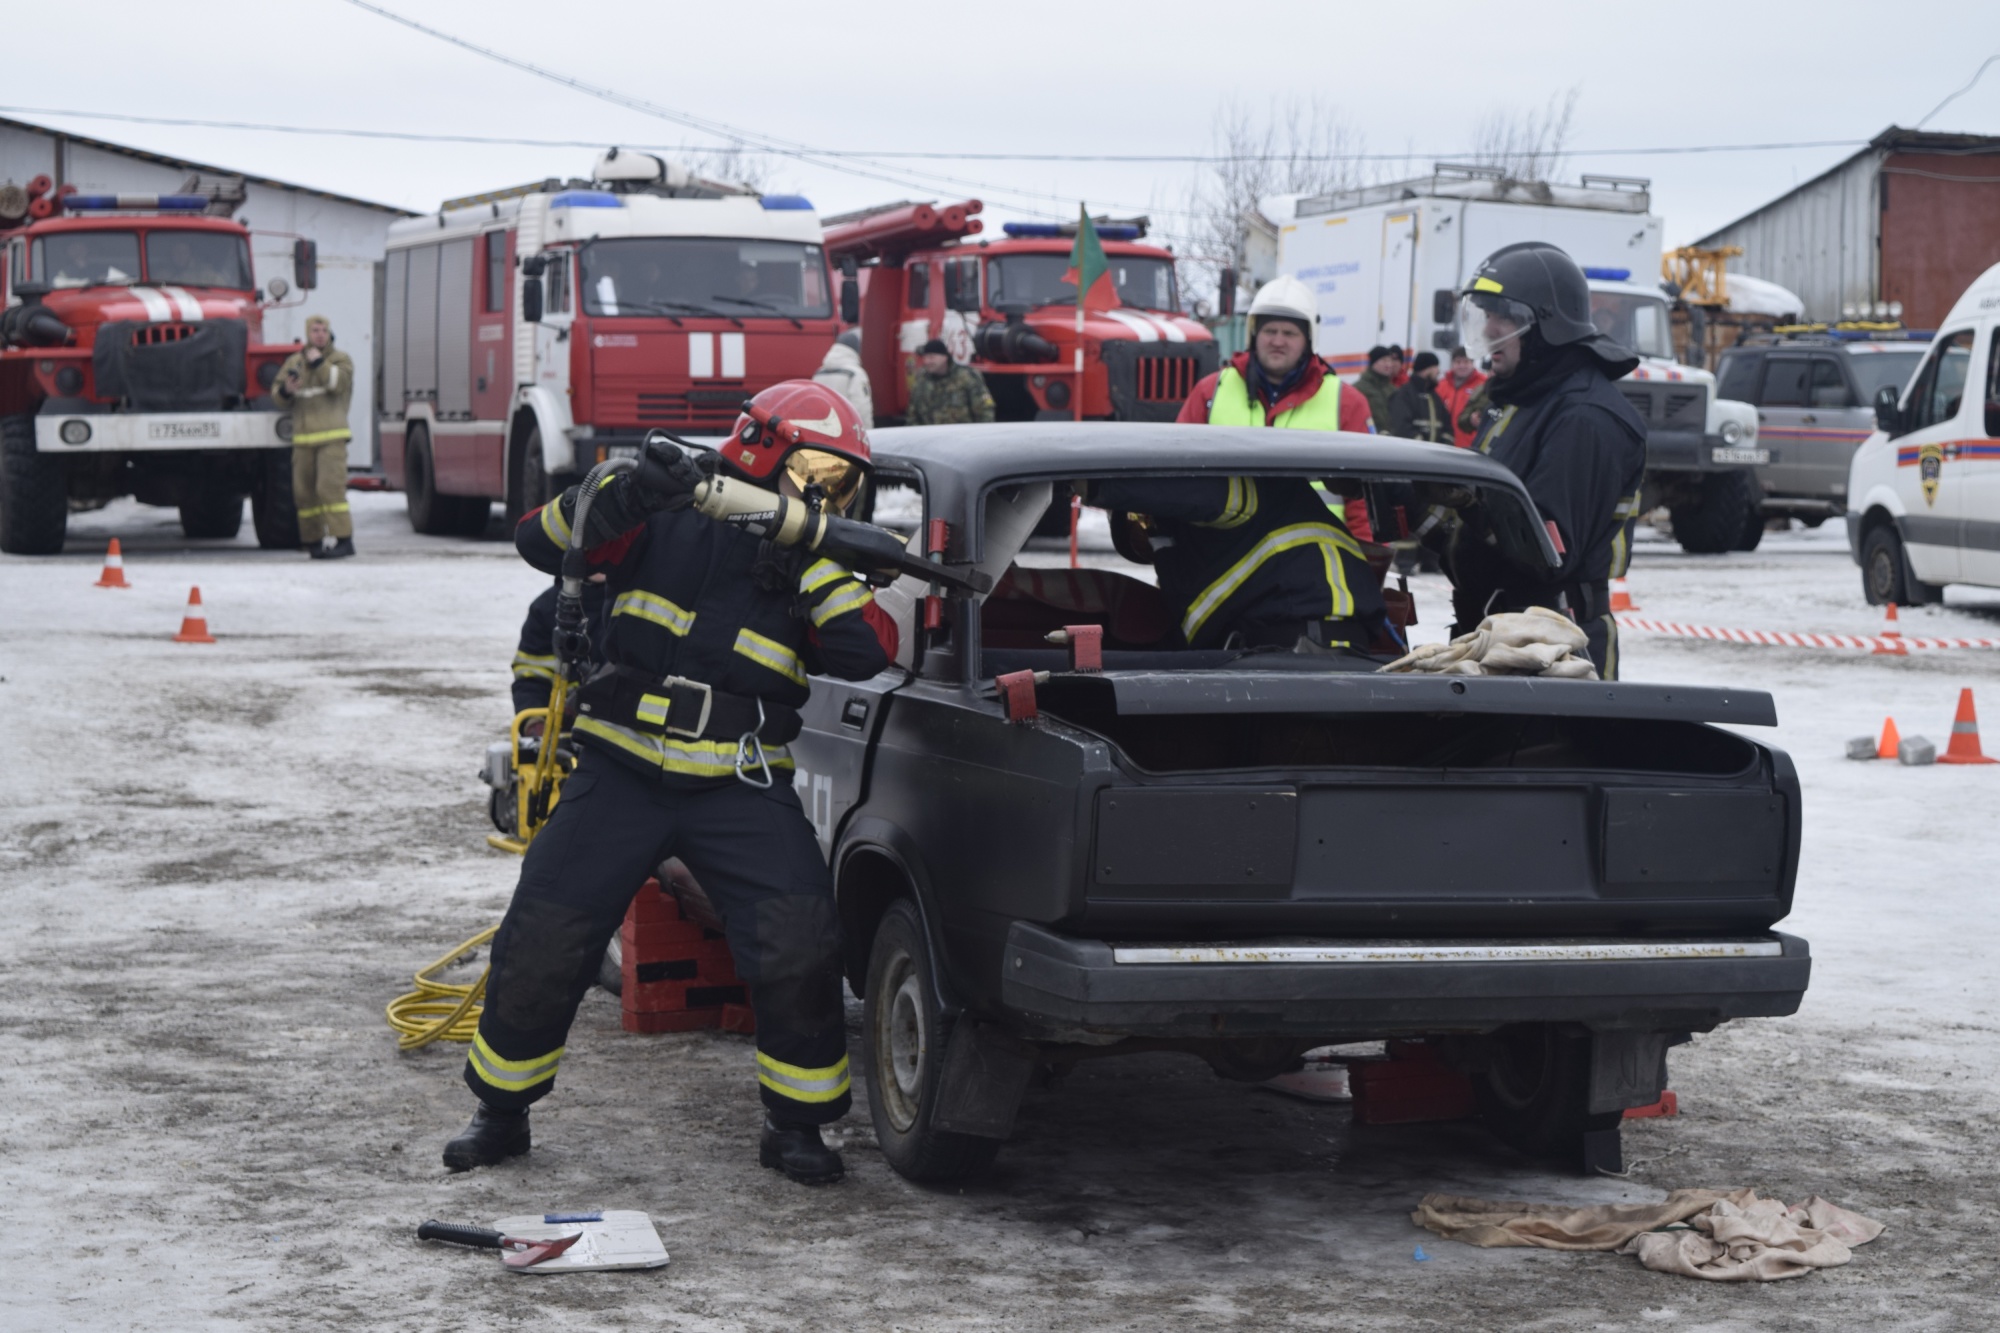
[[944, 393]]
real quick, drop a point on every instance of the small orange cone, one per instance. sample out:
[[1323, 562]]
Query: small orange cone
[[114, 568], [194, 626], [1891, 742], [1964, 747], [1891, 644], [1621, 598]]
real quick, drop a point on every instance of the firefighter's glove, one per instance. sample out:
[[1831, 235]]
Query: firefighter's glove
[[667, 477]]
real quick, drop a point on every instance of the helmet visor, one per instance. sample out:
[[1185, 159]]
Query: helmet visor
[[1487, 321], [838, 477]]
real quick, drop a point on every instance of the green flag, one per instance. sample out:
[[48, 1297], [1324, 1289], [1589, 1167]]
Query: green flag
[[1087, 266]]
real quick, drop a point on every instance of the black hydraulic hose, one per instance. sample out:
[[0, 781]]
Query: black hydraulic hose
[[576, 562]]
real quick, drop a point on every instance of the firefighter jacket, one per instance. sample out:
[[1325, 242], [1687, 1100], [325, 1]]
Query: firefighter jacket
[[535, 658], [1580, 449], [1456, 399], [958, 395], [319, 404], [738, 625], [1416, 413]]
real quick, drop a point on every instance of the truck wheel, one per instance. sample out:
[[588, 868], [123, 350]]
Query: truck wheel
[[529, 487], [34, 492], [1535, 1088], [1712, 522], [903, 1038], [1753, 529], [274, 512], [1885, 572], [212, 515], [431, 513]]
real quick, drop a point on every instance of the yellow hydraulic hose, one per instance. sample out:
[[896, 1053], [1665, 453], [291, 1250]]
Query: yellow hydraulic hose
[[438, 1010]]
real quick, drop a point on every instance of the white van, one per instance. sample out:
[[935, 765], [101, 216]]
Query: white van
[[1923, 491]]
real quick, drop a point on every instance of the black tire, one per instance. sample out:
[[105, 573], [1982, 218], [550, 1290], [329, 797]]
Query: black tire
[[903, 1042], [473, 513], [212, 515], [34, 492], [1712, 523], [1753, 529], [274, 512], [432, 513], [528, 483], [1535, 1089], [1886, 575]]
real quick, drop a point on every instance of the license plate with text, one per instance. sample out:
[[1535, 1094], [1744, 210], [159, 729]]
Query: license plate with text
[[184, 430]]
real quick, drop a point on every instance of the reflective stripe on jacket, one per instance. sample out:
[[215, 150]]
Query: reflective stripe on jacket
[[319, 404]]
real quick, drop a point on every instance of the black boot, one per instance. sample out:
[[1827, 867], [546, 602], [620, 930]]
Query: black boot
[[797, 1151], [342, 549], [493, 1136]]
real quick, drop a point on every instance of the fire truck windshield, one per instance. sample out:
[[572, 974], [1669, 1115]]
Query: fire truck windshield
[[1639, 322], [86, 258], [703, 275], [1032, 280], [198, 259]]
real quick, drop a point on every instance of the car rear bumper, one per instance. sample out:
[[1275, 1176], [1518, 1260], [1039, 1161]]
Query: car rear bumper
[[1395, 987]]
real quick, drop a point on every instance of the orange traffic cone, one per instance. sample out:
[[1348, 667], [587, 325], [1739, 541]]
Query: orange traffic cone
[[1964, 747], [1891, 742], [1621, 598], [194, 626], [1891, 644], [114, 569]]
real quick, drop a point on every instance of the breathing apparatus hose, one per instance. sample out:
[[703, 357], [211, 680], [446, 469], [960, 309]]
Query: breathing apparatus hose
[[446, 1011]]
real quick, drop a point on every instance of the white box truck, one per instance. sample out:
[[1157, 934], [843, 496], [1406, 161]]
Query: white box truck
[[1388, 262]]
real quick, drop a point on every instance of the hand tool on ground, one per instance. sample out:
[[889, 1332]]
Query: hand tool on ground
[[515, 1252]]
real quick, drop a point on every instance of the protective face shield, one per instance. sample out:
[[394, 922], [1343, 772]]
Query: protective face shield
[[838, 478], [1487, 321]]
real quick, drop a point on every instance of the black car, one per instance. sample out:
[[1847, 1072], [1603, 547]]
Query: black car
[[1246, 855]]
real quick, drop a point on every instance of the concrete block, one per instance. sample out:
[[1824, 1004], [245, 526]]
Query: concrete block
[[1916, 750], [1862, 747]]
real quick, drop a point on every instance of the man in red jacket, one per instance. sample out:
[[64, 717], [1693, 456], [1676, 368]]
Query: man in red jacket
[[1455, 389]]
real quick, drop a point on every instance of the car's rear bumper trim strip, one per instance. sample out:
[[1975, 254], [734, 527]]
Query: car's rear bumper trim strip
[[1444, 952]]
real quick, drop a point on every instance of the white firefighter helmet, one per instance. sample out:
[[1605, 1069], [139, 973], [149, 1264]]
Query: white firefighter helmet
[[1287, 298]]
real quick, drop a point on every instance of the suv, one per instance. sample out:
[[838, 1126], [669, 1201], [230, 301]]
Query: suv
[[1815, 398], [1044, 854]]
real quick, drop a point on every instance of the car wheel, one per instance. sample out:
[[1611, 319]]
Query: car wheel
[[1712, 522], [274, 512], [212, 515], [1886, 576], [903, 1037], [1535, 1089], [34, 492]]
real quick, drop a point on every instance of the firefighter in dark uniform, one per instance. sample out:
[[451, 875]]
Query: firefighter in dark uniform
[[1559, 424], [713, 634]]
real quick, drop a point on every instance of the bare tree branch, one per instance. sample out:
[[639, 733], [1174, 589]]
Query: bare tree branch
[[1527, 145]]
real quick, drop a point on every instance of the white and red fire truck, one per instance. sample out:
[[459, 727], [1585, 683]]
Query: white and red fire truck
[[530, 333], [1002, 307], [132, 362]]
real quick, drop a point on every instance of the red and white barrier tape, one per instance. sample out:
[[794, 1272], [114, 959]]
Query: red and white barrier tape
[[1772, 638]]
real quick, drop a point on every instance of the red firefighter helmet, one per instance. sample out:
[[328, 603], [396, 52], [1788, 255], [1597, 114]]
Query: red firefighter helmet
[[810, 431]]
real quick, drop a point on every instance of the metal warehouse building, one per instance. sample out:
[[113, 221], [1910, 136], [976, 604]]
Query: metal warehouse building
[[1913, 217], [350, 233]]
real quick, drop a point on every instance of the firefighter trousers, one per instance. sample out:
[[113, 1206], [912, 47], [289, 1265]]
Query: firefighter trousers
[[757, 859], [319, 489]]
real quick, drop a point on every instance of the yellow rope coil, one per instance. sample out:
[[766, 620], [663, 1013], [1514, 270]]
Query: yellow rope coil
[[439, 1010]]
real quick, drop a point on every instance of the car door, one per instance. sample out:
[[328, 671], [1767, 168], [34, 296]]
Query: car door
[[1833, 425], [1929, 476], [1783, 404], [842, 719], [1978, 465]]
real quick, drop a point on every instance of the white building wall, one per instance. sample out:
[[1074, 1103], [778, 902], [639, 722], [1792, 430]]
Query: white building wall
[[1820, 240], [350, 236]]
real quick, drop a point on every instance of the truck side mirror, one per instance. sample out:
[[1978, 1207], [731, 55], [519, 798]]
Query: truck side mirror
[[850, 292], [1888, 413], [305, 264], [1225, 293], [1444, 306], [531, 300]]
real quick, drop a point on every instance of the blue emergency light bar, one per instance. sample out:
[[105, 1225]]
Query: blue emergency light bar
[[585, 199], [1608, 274], [786, 203], [1028, 231], [1032, 230], [165, 203]]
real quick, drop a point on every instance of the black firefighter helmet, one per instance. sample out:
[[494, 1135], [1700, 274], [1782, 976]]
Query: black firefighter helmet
[[1532, 285]]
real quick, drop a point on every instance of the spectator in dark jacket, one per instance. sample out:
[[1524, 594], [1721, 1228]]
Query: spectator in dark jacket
[[1415, 411], [1379, 381]]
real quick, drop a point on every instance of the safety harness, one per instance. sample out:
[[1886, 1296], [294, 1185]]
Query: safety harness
[[680, 723]]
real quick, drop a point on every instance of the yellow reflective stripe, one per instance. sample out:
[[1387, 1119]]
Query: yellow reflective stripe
[[820, 573], [651, 606], [511, 1075], [323, 436], [554, 525], [1239, 506], [700, 759], [1494, 431], [770, 653], [1486, 285], [850, 598], [803, 1085], [534, 666], [1331, 541], [315, 511]]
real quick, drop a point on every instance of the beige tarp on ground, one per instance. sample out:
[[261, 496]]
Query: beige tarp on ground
[[1719, 1235]]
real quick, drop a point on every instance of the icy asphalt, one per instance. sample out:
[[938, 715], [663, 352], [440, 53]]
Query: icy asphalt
[[217, 863]]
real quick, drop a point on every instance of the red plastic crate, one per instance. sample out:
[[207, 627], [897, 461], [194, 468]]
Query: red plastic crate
[[1667, 1105], [1412, 1086], [739, 1018], [689, 979]]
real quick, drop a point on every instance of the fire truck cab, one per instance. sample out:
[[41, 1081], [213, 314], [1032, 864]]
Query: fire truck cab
[[132, 362], [531, 333], [1003, 307]]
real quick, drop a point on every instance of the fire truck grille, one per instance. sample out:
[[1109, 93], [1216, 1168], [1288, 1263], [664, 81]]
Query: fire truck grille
[[1165, 378], [1686, 407], [152, 335], [700, 407]]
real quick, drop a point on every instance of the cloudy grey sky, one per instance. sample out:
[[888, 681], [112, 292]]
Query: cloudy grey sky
[[1144, 78]]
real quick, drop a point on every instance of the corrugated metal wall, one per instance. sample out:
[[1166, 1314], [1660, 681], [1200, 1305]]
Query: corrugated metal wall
[[1819, 241]]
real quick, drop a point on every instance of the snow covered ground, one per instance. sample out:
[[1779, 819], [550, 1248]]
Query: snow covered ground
[[217, 863]]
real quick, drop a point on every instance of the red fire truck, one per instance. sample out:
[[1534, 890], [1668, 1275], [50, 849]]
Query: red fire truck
[[1002, 306], [132, 362], [530, 333]]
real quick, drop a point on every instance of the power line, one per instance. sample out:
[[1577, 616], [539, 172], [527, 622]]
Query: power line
[[1976, 76]]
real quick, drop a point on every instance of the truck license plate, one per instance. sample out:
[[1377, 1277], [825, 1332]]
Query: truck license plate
[[184, 430], [1741, 455]]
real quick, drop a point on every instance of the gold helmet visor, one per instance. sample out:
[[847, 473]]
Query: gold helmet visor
[[838, 477]]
